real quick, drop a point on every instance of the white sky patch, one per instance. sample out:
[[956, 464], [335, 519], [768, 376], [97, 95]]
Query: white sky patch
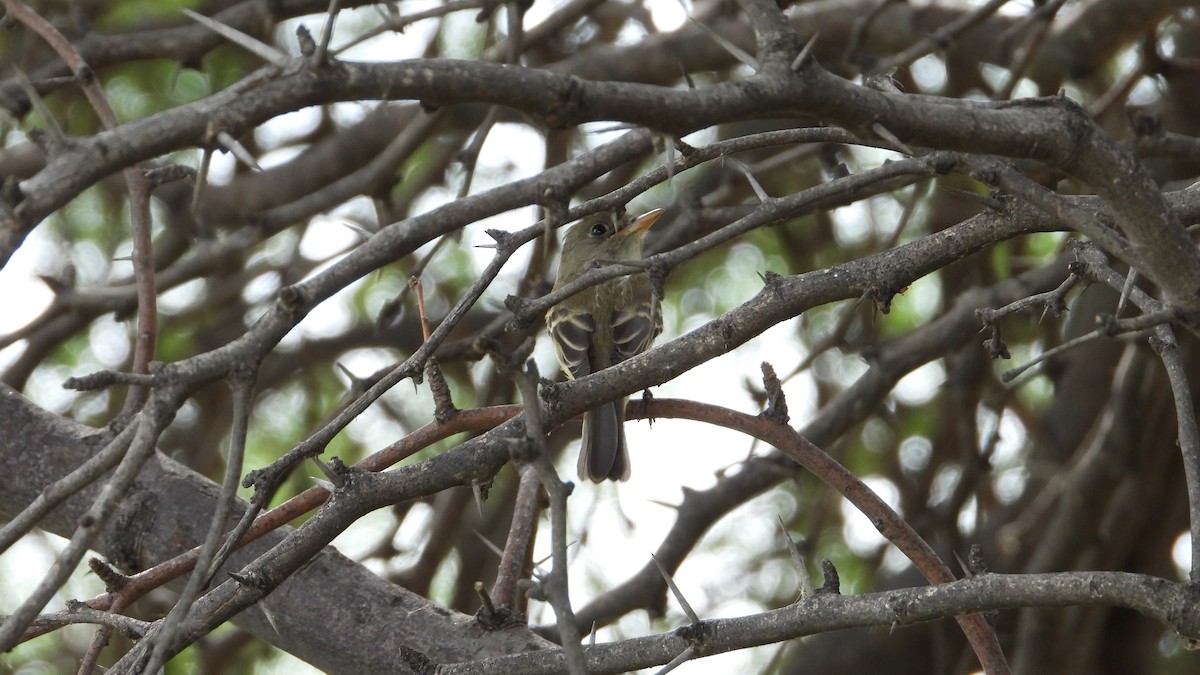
[[1008, 446], [31, 295], [1145, 92], [109, 341], [181, 297], [669, 16], [389, 45], [894, 561], [929, 72], [885, 213], [287, 128], [1026, 88], [220, 167], [861, 536], [330, 318], [326, 237], [851, 224], [920, 386], [968, 515], [261, 288], [1181, 554], [943, 484], [361, 538], [994, 75], [596, 134], [843, 369], [517, 150], [44, 387], [31, 259], [1009, 484], [24, 564], [924, 296], [10, 354], [349, 113], [279, 157], [92, 264], [915, 453]]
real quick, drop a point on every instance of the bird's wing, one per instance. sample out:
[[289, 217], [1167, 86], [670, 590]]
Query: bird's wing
[[634, 328], [571, 333]]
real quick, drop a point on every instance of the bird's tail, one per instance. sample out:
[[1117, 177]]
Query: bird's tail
[[602, 453]]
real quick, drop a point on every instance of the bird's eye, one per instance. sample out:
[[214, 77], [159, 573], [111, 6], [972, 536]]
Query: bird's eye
[[599, 230]]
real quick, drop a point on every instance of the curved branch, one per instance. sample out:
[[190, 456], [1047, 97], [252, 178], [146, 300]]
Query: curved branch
[[1172, 604], [1053, 130]]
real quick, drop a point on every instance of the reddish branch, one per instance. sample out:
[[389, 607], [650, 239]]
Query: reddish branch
[[135, 586]]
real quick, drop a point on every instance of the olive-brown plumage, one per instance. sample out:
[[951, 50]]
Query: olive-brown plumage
[[602, 326]]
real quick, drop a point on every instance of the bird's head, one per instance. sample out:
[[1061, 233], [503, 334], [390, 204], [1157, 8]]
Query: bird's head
[[602, 236]]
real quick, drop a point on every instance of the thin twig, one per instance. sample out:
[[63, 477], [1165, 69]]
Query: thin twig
[[139, 198], [1185, 416], [894, 528], [138, 585], [1108, 329], [249, 43], [326, 33], [941, 39], [1052, 301], [520, 536], [555, 584], [679, 597], [63, 488], [206, 563], [79, 613], [469, 155], [91, 524], [1043, 17]]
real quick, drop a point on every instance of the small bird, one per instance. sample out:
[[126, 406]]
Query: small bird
[[602, 326]]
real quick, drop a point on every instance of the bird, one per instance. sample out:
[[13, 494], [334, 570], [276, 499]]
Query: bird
[[602, 326]]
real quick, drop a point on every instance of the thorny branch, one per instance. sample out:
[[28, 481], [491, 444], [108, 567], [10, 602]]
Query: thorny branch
[[225, 235]]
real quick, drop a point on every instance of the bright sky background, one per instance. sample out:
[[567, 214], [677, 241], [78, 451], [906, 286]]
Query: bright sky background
[[666, 456]]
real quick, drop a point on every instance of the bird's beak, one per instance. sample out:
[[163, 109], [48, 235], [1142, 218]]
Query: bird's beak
[[642, 222]]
